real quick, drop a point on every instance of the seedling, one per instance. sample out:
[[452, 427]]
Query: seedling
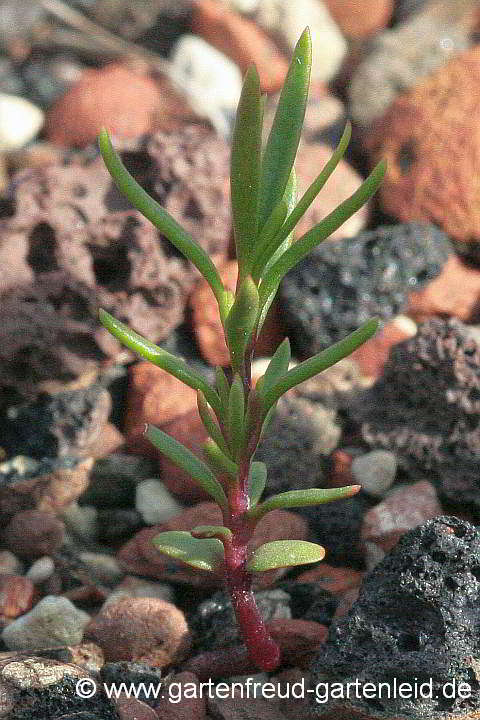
[[235, 413]]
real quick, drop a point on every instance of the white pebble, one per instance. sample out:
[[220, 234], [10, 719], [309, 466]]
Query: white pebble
[[211, 82], [41, 570], [154, 502], [375, 471], [20, 122], [53, 622]]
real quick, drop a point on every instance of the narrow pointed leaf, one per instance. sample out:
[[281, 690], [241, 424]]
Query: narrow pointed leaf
[[257, 479], [223, 388], [202, 554], [270, 231], [218, 461], [209, 422], [303, 498], [284, 553], [241, 322], [304, 245], [282, 143], [212, 531], [156, 355], [245, 166], [277, 367], [321, 361], [278, 242], [169, 227], [236, 416], [309, 196], [185, 459]]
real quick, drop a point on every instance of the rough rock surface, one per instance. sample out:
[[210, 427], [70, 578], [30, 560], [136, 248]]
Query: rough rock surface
[[425, 408], [71, 244], [416, 620], [399, 58], [343, 283], [430, 139], [67, 423]]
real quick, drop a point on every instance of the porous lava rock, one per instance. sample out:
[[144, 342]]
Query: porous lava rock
[[343, 283], [425, 408], [430, 139], [415, 621], [69, 243], [67, 423]]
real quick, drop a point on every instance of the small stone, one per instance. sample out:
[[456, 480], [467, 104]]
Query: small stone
[[117, 525], [133, 587], [190, 708], [375, 471], [32, 533], [114, 478], [88, 656], [242, 41], [453, 293], [127, 103], [135, 673], [20, 121], [10, 564], [16, 596], [53, 621], [41, 570], [402, 510], [154, 502], [297, 639], [340, 469], [129, 708], [81, 520], [419, 152], [211, 82], [147, 630], [286, 21], [354, 22], [47, 486], [104, 567], [155, 397], [229, 708], [399, 58], [337, 580]]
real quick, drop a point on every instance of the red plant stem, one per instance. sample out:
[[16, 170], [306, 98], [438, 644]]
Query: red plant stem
[[262, 649]]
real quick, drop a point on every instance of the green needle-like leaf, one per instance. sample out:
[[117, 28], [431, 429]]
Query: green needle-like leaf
[[185, 459], [236, 416], [245, 168], [241, 322], [309, 196], [302, 498], [202, 554], [321, 361], [219, 461], [284, 553], [223, 388], [257, 479], [304, 245], [157, 215], [270, 231], [209, 422], [277, 367], [282, 143], [156, 355]]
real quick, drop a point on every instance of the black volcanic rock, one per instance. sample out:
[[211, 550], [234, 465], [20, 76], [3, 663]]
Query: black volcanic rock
[[416, 620], [344, 282], [426, 409]]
